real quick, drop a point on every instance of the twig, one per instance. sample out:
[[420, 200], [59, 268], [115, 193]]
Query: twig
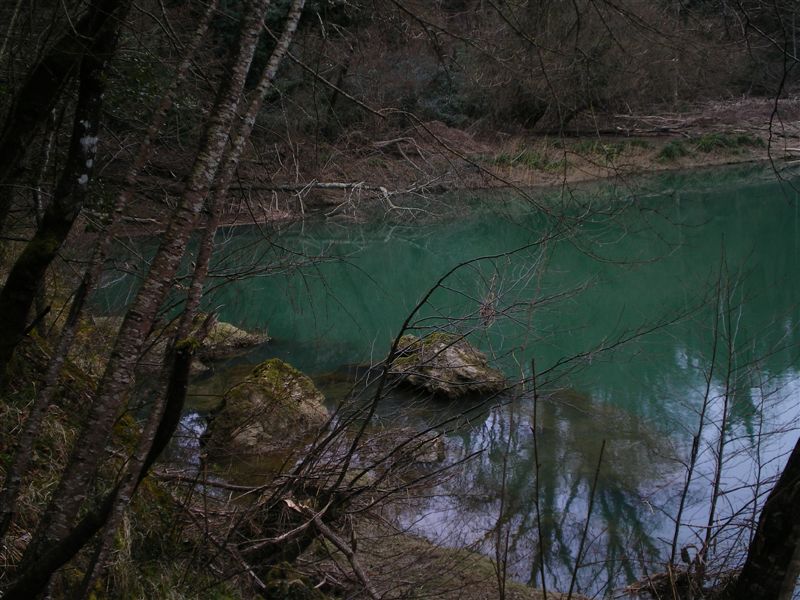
[[349, 553], [586, 524], [698, 436], [258, 544], [536, 472], [300, 187]]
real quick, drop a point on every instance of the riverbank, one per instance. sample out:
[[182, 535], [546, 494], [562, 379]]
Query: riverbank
[[522, 160], [358, 169], [433, 158], [610, 146], [163, 549]]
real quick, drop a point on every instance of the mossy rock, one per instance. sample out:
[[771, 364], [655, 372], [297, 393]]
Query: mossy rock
[[224, 340], [274, 409], [446, 365]]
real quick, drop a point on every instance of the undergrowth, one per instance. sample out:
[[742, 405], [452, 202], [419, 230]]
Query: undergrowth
[[529, 158]]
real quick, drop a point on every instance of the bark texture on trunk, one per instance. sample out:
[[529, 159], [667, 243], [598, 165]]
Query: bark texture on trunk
[[43, 86], [28, 271], [770, 570], [110, 399], [33, 581], [162, 403], [23, 449]]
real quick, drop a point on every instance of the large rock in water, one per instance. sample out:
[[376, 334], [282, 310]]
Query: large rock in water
[[274, 409], [224, 340], [446, 365]]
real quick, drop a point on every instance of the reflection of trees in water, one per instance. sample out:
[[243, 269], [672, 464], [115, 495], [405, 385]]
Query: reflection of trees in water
[[570, 430], [662, 377]]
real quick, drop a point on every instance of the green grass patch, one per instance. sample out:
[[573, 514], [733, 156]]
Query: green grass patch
[[727, 142], [643, 144], [605, 151], [529, 158], [674, 150]]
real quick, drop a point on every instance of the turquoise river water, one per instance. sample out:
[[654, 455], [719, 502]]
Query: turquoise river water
[[634, 304]]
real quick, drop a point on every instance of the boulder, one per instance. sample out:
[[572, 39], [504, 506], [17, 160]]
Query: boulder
[[224, 340], [446, 365], [274, 409]]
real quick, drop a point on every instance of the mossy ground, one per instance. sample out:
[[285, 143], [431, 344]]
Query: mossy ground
[[153, 555], [412, 568]]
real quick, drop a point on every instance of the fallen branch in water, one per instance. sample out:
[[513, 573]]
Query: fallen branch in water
[[302, 187]]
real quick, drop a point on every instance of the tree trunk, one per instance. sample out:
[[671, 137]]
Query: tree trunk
[[43, 87], [28, 271], [111, 396], [771, 569], [195, 294], [23, 449], [34, 579]]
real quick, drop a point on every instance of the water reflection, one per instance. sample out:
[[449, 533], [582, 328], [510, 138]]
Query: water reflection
[[498, 489], [651, 270]]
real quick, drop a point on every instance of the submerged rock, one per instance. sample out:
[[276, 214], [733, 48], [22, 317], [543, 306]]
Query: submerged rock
[[446, 365], [272, 410], [399, 447], [224, 340], [423, 448]]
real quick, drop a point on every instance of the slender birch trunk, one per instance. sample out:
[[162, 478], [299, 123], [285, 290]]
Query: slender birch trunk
[[164, 403], [111, 396], [24, 447]]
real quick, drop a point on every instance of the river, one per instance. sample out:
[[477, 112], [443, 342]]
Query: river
[[629, 306]]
